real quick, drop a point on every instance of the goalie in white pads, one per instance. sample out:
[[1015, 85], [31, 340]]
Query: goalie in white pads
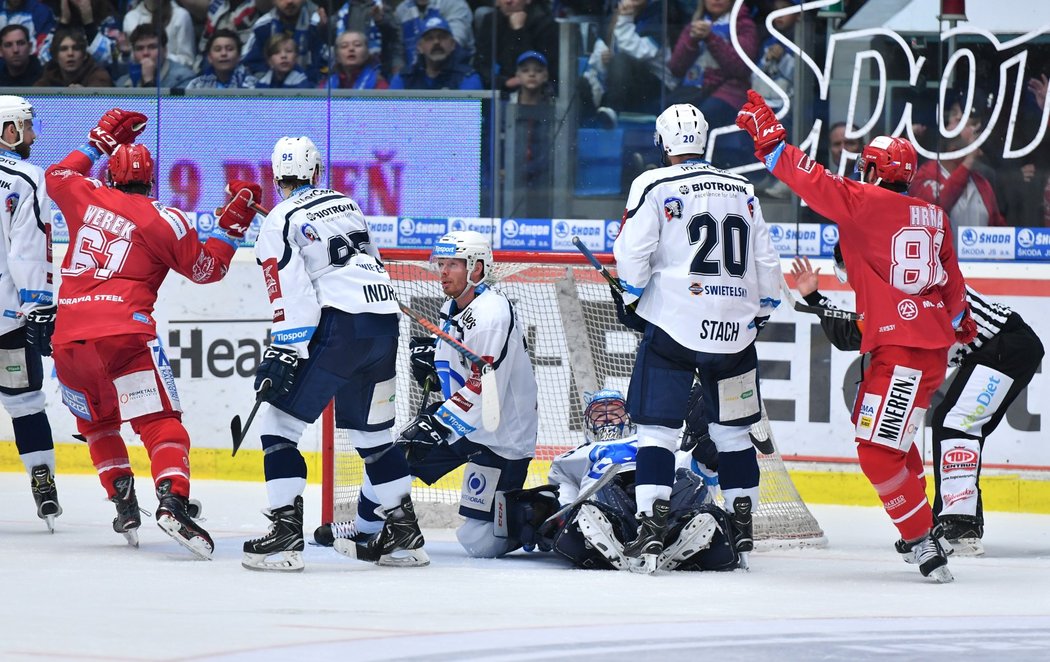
[[694, 252], [334, 335], [452, 435], [592, 533], [26, 292]]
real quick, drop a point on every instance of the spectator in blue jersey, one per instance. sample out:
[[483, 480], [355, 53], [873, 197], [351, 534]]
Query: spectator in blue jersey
[[517, 26], [18, 66], [281, 54], [382, 32], [298, 18], [152, 67], [440, 65], [413, 16], [224, 59], [355, 68], [33, 14]]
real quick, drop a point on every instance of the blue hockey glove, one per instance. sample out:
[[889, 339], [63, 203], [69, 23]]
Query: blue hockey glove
[[40, 325], [626, 313], [421, 435], [421, 358], [276, 373]]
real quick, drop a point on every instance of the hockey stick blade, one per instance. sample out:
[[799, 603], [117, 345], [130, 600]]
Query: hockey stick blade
[[236, 430], [591, 490], [489, 399], [828, 313]]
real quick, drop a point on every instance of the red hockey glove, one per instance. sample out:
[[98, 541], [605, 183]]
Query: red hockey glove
[[761, 124], [237, 215], [116, 127], [966, 328]]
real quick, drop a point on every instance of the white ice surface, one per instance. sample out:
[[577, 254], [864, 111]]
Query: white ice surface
[[83, 594]]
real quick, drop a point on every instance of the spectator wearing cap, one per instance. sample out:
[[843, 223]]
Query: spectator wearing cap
[[532, 73], [413, 16], [515, 27], [440, 64], [152, 67], [355, 67], [19, 67]]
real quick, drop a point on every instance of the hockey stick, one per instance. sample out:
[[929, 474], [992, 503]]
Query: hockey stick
[[596, 264], [828, 313], [235, 425], [490, 414], [591, 490]]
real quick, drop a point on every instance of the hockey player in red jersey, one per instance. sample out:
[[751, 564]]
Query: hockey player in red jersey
[[911, 294], [110, 364]]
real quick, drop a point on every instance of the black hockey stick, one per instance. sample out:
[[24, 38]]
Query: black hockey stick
[[828, 313], [235, 425], [591, 490], [615, 282]]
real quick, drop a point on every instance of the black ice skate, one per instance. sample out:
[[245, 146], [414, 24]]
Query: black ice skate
[[326, 534], [963, 535], [907, 549], [742, 520], [643, 552], [284, 541], [932, 558], [46, 495], [128, 518], [400, 543], [598, 532], [173, 519]]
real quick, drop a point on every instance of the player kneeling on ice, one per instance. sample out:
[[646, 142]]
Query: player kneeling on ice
[[110, 364], [334, 335], [595, 483], [694, 253], [453, 433]]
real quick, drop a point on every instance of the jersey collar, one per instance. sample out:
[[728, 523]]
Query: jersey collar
[[301, 189], [8, 153]]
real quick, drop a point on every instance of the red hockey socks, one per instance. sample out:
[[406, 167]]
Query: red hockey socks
[[899, 488], [110, 457], [168, 445]]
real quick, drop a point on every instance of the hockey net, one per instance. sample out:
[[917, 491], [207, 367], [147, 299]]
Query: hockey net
[[576, 344]]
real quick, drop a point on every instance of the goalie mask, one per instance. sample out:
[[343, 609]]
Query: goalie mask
[[296, 158], [466, 245], [681, 129], [606, 417], [15, 110]]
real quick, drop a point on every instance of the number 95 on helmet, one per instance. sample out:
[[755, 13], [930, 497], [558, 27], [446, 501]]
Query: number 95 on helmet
[[296, 158]]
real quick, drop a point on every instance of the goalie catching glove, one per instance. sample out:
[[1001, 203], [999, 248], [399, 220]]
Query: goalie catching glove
[[421, 435], [276, 373], [761, 123], [421, 358], [237, 216], [116, 127], [40, 325]]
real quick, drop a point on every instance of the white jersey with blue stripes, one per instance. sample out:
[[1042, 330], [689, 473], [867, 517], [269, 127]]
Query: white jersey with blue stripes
[[25, 226]]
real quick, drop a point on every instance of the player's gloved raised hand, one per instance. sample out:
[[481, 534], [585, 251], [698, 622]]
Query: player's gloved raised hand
[[965, 327], [627, 313], [237, 216], [421, 435], [761, 123], [760, 323], [421, 358], [276, 373], [116, 127], [40, 325]]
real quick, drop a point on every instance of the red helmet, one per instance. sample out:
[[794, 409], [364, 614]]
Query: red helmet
[[895, 159], [131, 164]]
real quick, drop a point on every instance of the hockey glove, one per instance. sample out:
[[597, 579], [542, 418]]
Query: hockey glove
[[965, 327], [627, 313], [421, 435], [760, 323], [116, 127], [761, 124], [421, 358], [236, 217], [526, 513], [40, 325], [276, 373]]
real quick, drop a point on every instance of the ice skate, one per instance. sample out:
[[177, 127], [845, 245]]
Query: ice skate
[[907, 549], [129, 517], [963, 535], [283, 542], [326, 534], [597, 530], [173, 519], [694, 537], [400, 543], [642, 552], [46, 495], [740, 517], [932, 559]]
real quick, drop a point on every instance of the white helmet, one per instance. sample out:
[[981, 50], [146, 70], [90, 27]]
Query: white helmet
[[295, 157], [17, 110], [681, 129], [606, 417], [465, 245]]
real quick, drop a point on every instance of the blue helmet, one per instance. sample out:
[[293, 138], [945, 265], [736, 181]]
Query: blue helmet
[[606, 417]]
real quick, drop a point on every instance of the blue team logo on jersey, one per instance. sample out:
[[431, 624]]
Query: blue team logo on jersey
[[310, 232], [11, 203], [604, 456], [673, 208]]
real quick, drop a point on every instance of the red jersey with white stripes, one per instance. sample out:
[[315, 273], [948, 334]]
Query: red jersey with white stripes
[[121, 247]]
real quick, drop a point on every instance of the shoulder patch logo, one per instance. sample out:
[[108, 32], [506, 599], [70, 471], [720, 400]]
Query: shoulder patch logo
[[806, 164], [673, 208]]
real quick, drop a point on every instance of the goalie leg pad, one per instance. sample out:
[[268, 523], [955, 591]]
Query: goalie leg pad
[[720, 553], [598, 533], [692, 538], [519, 514]]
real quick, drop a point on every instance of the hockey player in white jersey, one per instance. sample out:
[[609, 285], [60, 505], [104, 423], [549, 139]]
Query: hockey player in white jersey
[[334, 335], [592, 533], [453, 435], [26, 294], [694, 252]]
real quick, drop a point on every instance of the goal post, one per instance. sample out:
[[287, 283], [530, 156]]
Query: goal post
[[575, 344]]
